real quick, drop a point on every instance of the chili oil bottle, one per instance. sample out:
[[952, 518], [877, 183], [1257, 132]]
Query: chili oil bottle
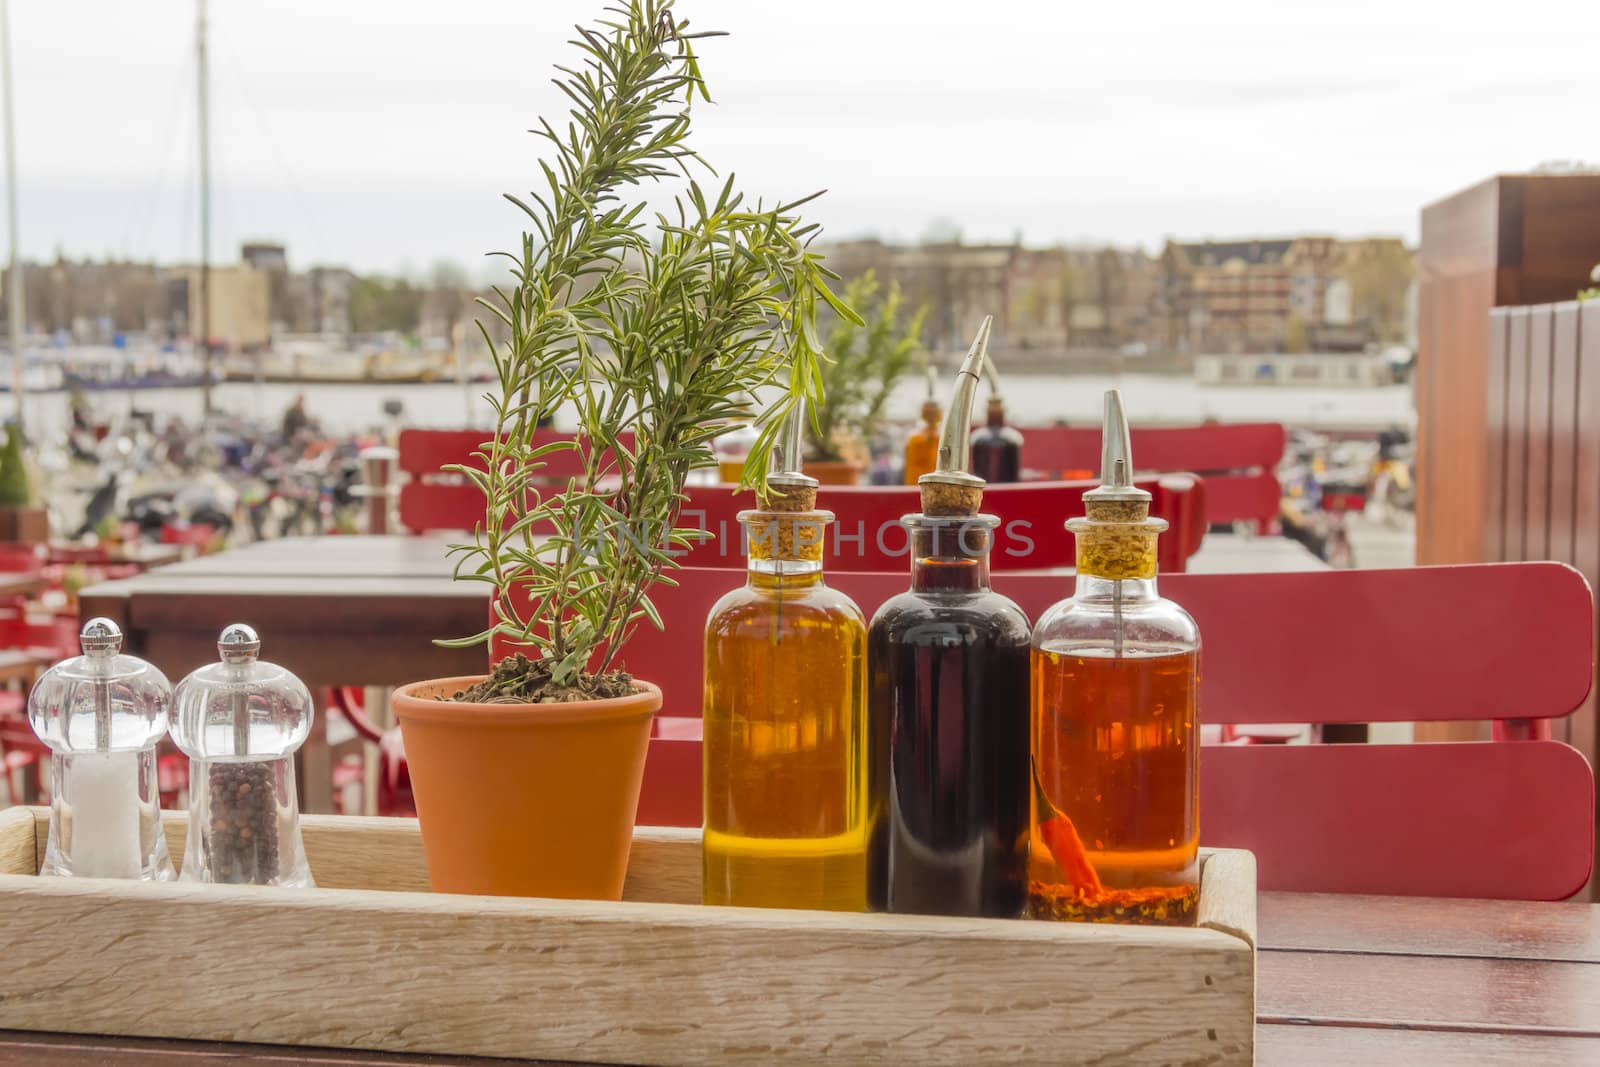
[[1114, 834], [948, 661], [785, 752]]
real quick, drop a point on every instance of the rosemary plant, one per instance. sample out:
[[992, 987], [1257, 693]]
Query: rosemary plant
[[648, 329]]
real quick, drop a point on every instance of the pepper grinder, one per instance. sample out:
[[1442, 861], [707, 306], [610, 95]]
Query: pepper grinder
[[102, 714], [240, 721]]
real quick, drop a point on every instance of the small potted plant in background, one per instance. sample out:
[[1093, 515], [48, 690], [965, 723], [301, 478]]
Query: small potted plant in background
[[21, 520], [527, 780], [865, 361]]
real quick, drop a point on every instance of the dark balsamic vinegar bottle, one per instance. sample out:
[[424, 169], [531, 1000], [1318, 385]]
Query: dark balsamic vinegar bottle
[[996, 447], [949, 706]]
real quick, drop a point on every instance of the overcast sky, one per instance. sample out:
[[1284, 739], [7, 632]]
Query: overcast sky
[[380, 133]]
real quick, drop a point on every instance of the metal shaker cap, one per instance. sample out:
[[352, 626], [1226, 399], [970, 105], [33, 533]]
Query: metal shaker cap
[[239, 643], [100, 637]]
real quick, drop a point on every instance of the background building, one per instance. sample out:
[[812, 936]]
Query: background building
[[1294, 294]]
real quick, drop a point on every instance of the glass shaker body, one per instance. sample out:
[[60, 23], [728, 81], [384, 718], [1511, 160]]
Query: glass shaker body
[[949, 710], [240, 722], [103, 714]]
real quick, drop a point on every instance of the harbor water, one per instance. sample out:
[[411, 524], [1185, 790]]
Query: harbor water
[[1031, 400]]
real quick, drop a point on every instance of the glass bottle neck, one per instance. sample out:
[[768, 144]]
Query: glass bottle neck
[[950, 556], [1126, 590], [783, 573]]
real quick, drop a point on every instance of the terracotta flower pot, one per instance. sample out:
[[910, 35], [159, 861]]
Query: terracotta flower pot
[[525, 799], [833, 471]]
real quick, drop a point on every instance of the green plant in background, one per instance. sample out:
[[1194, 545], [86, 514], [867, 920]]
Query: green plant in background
[[650, 329], [865, 361], [15, 492], [1592, 293]]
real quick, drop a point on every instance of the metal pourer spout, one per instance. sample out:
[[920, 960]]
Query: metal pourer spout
[[933, 383], [993, 376], [1116, 458], [789, 488], [952, 488]]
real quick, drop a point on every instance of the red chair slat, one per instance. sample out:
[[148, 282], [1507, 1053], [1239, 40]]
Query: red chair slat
[[1489, 641], [1218, 447], [1474, 819], [426, 507], [433, 499], [1238, 460], [1507, 821]]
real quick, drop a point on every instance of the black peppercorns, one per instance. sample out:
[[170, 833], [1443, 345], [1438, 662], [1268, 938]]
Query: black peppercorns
[[243, 810]]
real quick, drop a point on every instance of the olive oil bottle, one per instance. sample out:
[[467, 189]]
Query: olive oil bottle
[[785, 752]]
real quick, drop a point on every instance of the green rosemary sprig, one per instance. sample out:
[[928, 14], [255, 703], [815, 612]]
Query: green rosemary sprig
[[641, 329]]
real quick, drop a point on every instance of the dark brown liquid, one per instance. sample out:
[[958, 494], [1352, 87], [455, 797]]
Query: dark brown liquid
[[949, 710]]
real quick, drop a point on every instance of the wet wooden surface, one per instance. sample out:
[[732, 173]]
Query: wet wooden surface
[[1375, 980]]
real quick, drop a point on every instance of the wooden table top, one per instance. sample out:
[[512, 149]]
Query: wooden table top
[[1341, 979], [144, 553]]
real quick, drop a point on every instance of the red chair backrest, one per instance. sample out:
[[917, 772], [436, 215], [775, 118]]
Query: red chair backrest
[[866, 534], [432, 498], [1492, 819], [1239, 461]]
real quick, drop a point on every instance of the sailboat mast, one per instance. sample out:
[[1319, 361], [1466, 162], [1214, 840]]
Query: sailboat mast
[[203, 318], [17, 310]]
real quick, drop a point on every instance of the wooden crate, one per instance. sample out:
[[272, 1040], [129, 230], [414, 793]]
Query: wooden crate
[[372, 960]]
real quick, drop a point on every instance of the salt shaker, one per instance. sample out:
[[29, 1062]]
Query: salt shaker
[[102, 714], [240, 722]]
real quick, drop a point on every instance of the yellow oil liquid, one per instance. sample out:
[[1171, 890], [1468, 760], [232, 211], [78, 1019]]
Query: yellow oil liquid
[[785, 782]]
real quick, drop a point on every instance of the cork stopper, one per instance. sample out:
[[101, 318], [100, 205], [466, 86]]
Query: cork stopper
[[788, 497], [785, 535], [948, 498], [951, 489], [931, 412]]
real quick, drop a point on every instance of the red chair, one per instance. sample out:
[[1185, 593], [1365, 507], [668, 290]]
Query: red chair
[[394, 777], [47, 638], [20, 751], [1506, 819], [867, 536], [434, 499], [1239, 461]]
